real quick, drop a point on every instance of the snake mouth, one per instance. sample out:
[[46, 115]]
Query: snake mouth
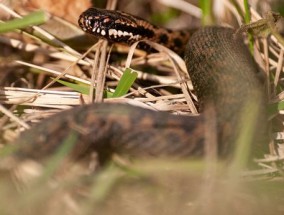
[[92, 25], [83, 23]]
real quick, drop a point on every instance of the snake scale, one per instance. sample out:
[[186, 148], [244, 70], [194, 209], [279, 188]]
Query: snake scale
[[224, 75]]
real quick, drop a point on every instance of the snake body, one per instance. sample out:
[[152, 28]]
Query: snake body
[[224, 75]]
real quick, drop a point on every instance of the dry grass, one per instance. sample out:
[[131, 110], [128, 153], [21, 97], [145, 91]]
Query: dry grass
[[141, 187]]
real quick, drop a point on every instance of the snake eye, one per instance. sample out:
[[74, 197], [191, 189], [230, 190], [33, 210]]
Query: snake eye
[[106, 20]]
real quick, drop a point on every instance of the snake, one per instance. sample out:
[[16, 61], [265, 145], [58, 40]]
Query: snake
[[226, 80]]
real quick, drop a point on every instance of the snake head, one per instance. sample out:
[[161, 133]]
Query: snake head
[[115, 26]]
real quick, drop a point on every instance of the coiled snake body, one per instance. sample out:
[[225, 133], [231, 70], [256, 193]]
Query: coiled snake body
[[225, 78]]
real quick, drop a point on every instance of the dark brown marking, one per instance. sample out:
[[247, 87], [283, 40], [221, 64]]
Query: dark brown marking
[[163, 38], [178, 42]]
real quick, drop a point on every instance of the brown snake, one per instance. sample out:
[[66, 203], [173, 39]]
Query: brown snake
[[225, 78]]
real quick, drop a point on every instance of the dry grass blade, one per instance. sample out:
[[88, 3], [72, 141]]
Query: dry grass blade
[[13, 117]]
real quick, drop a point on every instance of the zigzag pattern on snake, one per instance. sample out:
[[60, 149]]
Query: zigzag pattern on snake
[[225, 78]]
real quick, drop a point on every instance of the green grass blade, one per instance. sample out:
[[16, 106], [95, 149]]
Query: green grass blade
[[275, 108], [243, 143], [63, 150], [84, 89], [247, 21], [247, 12], [126, 81], [34, 18], [207, 16]]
